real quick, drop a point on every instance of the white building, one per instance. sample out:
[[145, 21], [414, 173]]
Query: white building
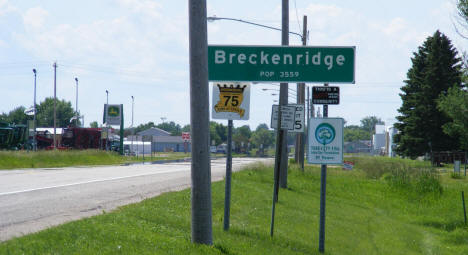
[[390, 145], [379, 139], [137, 147]]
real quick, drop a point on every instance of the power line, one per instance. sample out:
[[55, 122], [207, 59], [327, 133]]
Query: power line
[[297, 17]]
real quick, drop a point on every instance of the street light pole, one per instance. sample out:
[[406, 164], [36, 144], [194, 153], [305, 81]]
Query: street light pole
[[76, 105], [133, 129], [107, 126], [34, 107], [214, 18], [55, 105]]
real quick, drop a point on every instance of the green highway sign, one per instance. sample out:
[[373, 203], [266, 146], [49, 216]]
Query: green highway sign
[[281, 63]]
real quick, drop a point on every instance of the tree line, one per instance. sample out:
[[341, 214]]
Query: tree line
[[243, 137], [44, 115]]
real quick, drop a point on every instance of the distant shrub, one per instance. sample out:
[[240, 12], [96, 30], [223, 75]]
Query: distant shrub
[[401, 174]]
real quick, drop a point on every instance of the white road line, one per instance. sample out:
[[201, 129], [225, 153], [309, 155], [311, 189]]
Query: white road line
[[92, 181]]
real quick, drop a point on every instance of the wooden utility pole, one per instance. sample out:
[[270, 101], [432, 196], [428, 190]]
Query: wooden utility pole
[[199, 121], [281, 170], [283, 100], [300, 143]]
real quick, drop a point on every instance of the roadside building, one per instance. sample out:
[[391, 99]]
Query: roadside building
[[361, 146], [160, 140]]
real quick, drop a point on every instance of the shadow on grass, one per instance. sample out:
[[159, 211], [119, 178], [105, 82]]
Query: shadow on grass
[[449, 227], [278, 239]]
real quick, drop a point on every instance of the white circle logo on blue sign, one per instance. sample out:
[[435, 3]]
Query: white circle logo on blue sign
[[325, 133]]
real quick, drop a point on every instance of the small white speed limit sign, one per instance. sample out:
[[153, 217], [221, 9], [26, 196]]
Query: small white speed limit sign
[[292, 117]]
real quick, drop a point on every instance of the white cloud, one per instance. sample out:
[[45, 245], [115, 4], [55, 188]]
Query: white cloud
[[35, 17], [6, 7], [146, 7], [134, 45]]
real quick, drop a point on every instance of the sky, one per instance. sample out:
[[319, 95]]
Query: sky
[[140, 48]]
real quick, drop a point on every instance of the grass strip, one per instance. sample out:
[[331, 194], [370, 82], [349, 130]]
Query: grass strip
[[364, 216], [45, 159]]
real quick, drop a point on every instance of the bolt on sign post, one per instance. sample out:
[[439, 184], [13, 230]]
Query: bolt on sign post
[[230, 101]]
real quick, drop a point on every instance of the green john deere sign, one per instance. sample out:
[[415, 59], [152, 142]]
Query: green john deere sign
[[112, 114], [281, 64]]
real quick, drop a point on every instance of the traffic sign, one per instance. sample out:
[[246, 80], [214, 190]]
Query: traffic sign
[[230, 101], [292, 117], [281, 64], [325, 141], [325, 95], [186, 136]]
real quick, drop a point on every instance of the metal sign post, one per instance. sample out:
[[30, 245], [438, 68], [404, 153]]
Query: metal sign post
[[323, 193], [325, 146], [227, 188], [230, 101]]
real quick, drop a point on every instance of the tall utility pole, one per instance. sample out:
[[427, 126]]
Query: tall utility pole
[[55, 105], [283, 100], [281, 170], [76, 105], [299, 156], [199, 121], [34, 107]]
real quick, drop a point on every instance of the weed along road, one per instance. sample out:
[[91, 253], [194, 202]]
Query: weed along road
[[34, 199]]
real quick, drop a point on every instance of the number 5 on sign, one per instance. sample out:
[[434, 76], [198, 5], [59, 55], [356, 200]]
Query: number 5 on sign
[[231, 101]]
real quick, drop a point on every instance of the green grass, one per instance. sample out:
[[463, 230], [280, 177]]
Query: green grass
[[368, 212], [44, 159]]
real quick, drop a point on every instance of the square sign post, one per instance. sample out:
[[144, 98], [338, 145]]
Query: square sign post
[[230, 101]]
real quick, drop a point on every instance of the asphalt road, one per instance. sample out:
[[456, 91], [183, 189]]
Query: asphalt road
[[35, 199]]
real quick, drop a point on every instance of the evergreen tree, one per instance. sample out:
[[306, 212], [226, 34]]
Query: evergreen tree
[[435, 69]]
